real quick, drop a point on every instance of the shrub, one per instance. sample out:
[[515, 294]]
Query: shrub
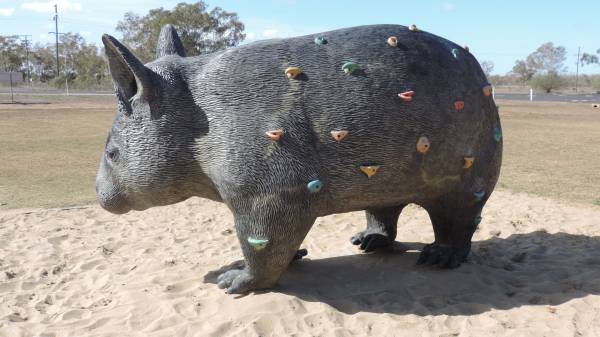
[[547, 82]]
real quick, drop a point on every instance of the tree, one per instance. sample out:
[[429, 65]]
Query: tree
[[201, 31], [547, 59], [548, 81], [522, 71], [12, 54], [488, 67], [587, 59]]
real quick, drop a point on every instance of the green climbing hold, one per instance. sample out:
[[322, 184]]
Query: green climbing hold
[[497, 134], [477, 220], [320, 40], [258, 244], [349, 67]]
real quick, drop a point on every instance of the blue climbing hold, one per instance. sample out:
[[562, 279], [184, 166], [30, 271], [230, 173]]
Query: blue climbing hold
[[320, 40], [497, 134], [258, 244], [315, 186], [477, 220], [479, 195]]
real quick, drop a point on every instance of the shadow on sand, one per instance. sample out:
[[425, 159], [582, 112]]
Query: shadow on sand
[[524, 269]]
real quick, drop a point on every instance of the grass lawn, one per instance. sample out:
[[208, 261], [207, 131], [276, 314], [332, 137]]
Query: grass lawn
[[49, 153]]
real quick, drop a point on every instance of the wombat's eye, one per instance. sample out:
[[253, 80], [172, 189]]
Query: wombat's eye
[[113, 154]]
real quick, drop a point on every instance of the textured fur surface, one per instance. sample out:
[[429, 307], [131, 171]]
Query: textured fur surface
[[196, 127]]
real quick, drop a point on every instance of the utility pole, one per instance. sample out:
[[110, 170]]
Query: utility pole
[[577, 74], [26, 42], [56, 35]]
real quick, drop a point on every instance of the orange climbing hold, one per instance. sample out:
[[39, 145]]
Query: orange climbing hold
[[339, 135], [468, 162], [407, 96], [392, 41], [423, 145], [487, 90], [459, 105], [369, 170], [275, 134], [293, 72]]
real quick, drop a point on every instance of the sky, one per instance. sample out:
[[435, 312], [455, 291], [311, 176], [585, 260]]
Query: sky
[[497, 31]]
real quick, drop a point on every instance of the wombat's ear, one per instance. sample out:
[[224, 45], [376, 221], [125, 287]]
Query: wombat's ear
[[129, 74], [169, 42]]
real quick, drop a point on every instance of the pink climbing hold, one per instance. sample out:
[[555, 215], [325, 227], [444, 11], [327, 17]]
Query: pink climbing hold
[[275, 134], [407, 96], [392, 41], [459, 105], [339, 135]]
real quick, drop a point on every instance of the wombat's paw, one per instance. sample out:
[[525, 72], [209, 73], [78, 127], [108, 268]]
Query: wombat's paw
[[238, 281], [443, 256], [370, 241]]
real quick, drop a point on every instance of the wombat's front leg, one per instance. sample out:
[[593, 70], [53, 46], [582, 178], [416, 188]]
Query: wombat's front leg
[[269, 236]]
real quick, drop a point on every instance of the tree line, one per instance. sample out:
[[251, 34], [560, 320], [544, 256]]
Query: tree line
[[82, 64]]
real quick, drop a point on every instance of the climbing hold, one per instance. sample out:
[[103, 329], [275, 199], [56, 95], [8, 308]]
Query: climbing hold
[[293, 72], [477, 220], [468, 162], [479, 195], [314, 186], [497, 134], [369, 170], [466, 48], [339, 135], [392, 41], [320, 40], [413, 28], [407, 96], [349, 67], [258, 244], [487, 89], [423, 145], [455, 53], [275, 134], [459, 105]]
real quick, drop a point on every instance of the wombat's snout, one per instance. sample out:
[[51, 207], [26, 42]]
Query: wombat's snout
[[111, 200]]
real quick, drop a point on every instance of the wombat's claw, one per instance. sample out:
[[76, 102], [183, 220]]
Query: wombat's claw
[[236, 281], [442, 256], [371, 241], [300, 254]]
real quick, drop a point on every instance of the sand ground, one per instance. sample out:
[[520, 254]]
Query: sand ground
[[534, 271]]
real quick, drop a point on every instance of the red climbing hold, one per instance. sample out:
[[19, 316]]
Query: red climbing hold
[[459, 105], [275, 134], [407, 96]]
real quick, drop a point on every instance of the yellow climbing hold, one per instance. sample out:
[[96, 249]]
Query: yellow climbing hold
[[293, 72], [468, 162], [275, 134], [369, 170], [339, 135], [423, 145], [413, 28], [487, 90], [392, 41]]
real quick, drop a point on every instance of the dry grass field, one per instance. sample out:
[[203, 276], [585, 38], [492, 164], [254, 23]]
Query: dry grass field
[[49, 152]]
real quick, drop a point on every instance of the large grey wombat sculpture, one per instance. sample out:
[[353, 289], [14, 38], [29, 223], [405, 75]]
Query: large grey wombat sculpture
[[286, 130]]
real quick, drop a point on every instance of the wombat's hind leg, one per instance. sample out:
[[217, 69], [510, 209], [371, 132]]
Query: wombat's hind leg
[[381, 228], [453, 229]]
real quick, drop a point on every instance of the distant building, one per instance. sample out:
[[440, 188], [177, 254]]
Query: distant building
[[5, 76]]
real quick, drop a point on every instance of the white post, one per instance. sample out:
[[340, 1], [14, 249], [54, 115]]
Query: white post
[[531, 94], [67, 84], [494, 93]]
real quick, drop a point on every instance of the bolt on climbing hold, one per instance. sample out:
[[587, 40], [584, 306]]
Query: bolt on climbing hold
[[275, 134], [477, 220], [258, 244], [339, 135], [487, 89], [293, 72], [407, 96], [459, 105], [369, 170], [423, 145], [413, 28], [479, 195], [455, 53], [320, 40], [392, 41], [314, 186], [468, 162], [349, 67], [497, 134]]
